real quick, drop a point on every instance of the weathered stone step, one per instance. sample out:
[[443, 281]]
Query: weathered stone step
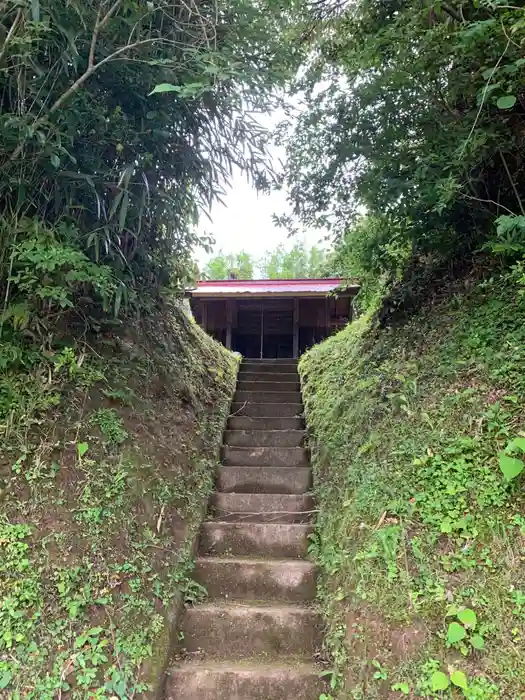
[[278, 386], [283, 365], [262, 423], [289, 580], [268, 376], [274, 410], [265, 456], [262, 508], [283, 370], [281, 540], [264, 479], [230, 681], [267, 396], [264, 438], [235, 631], [272, 360]]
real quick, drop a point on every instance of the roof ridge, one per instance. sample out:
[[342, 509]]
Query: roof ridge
[[273, 288]]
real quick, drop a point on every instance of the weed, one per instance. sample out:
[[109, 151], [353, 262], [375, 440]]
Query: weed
[[403, 688], [380, 674], [464, 632], [110, 424]]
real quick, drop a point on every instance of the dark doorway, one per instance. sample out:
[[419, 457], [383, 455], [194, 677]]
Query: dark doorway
[[264, 329]]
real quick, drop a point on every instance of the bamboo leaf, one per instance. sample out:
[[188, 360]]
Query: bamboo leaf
[[123, 211]]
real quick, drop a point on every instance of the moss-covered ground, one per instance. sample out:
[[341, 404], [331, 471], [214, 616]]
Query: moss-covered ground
[[108, 451], [417, 435]]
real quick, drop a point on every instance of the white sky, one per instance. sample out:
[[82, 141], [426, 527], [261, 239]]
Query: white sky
[[244, 222]]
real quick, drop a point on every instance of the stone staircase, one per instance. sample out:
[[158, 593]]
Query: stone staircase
[[256, 636]]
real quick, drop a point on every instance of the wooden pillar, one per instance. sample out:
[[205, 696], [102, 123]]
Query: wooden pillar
[[204, 319], [262, 332], [296, 328], [327, 318], [229, 316]]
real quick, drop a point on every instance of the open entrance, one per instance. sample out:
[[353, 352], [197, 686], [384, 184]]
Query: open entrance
[[264, 328]]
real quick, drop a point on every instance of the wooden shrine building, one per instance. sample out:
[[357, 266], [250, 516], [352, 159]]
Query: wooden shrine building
[[272, 318]]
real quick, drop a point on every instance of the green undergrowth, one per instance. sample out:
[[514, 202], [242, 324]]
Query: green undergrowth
[[109, 447], [418, 444]]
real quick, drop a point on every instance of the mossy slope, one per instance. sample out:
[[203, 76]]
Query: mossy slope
[[109, 452], [417, 524]]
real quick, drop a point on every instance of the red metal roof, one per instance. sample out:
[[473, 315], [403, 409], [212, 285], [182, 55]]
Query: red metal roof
[[289, 287]]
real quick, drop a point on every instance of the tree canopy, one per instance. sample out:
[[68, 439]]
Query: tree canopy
[[224, 265], [414, 113], [280, 263], [121, 120]]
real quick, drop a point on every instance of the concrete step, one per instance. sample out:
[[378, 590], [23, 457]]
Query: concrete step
[[289, 580], [273, 410], [254, 423], [275, 366], [264, 438], [268, 376], [257, 386], [264, 479], [262, 508], [267, 396], [236, 631], [265, 456], [281, 540], [243, 681], [272, 360]]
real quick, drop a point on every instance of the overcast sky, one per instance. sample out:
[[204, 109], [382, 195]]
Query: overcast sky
[[245, 221]]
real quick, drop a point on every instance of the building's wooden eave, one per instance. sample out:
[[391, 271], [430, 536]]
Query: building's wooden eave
[[271, 295]]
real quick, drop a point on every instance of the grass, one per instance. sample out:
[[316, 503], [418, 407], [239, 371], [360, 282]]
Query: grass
[[108, 455], [419, 530]]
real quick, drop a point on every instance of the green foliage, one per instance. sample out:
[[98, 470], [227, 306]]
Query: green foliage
[[401, 688], [439, 681], [82, 448], [512, 466], [111, 425], [419, 531], [444, 498], [510, 236], [464, 633], [222, 266], [412, 116], [48, 274], [459, 679], [119, 124], [297, 262], [375, 252]]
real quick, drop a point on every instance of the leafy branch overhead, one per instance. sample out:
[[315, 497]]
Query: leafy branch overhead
[[414, 118], [120, 122]]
